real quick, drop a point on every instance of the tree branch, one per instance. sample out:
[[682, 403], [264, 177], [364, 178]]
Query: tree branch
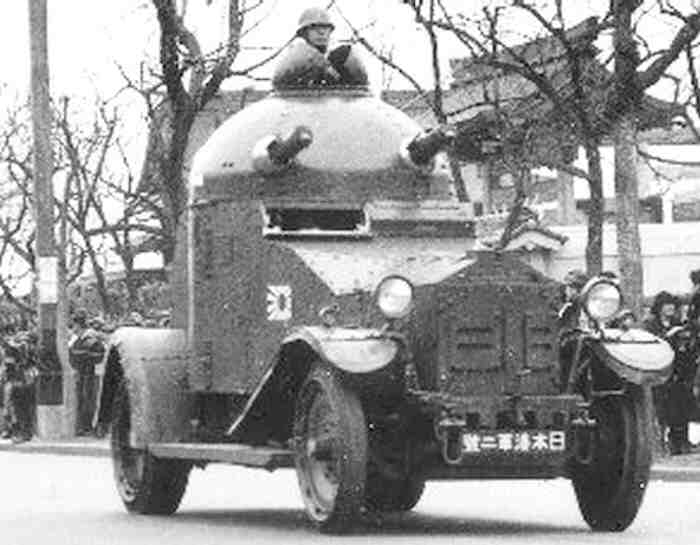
[[685, 35]]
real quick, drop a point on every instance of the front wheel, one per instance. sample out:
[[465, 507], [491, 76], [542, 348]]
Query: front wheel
[[147, 485], [611, 487], [330, 450]]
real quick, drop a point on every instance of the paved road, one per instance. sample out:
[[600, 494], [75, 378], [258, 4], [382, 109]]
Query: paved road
[[71, 500]]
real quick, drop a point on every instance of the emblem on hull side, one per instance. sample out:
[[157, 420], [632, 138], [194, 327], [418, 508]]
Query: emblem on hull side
[[279, 303]]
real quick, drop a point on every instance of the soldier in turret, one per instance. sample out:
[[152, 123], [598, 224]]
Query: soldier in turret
[[308, 61]]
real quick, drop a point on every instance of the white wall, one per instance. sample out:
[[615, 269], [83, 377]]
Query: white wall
[[652, 180], [669, 253]]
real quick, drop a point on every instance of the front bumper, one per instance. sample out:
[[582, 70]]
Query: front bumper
[[526, 436]]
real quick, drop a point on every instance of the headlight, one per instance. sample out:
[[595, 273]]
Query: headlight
[[601, 299], [394, 297]]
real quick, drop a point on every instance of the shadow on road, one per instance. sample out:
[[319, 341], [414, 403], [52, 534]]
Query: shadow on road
[[415, 523]]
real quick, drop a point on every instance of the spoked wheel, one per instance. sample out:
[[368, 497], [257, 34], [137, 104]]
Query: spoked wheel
[[146, 485], [401, 494], [330, 450], [610, 489]]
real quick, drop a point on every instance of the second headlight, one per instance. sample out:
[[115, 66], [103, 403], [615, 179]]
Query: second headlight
[[394, 297], [601, 299]]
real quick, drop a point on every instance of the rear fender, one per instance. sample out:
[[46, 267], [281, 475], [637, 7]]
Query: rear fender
[[154, 364]]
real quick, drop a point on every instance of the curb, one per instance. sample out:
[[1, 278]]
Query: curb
[[62, 448], [101, 449], [675, 474]]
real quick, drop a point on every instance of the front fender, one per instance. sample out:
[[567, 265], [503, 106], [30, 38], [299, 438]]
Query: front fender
[[635, 355], [353, 350], [154, 364]]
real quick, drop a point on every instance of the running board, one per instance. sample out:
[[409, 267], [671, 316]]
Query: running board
[[226, 453]]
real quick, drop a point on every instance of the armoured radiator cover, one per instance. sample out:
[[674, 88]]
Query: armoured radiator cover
[[497, 339]]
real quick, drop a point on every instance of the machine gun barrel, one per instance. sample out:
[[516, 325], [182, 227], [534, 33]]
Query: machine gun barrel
[[425, 146], [283, 150]]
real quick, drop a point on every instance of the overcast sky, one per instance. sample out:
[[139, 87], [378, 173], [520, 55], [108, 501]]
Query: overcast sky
[[88, 37]]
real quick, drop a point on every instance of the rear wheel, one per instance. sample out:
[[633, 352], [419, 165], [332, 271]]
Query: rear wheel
[[147, 485], [330, 450], [610, 489], [400, 494]]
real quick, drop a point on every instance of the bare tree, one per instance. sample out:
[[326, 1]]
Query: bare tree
[[623, 106], [553, 79], [95, 198], [99, 196], [434, 96], [592, 102], [16, 222], [191, 77]]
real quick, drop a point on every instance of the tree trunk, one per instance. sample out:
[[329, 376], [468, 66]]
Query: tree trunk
[[174, 190], [627, 213], [100, 279], [594, 243], [627, 99]]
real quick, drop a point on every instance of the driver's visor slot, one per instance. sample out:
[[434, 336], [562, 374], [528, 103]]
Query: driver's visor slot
[[314, 220]]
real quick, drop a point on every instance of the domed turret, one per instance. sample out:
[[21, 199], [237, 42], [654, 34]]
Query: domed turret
[[325, 143]]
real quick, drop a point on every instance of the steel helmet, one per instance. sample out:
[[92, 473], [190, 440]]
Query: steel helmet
[[314, 16]]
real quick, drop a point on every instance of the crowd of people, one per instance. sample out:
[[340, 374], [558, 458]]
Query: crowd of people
[[676, 401], [673, 318], [19, 370]]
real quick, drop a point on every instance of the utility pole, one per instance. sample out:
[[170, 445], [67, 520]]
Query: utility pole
[[49, 385]]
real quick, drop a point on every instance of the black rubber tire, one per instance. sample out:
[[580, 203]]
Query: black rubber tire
[[332, 481], [610, 490], [147, 485], [385, 495]]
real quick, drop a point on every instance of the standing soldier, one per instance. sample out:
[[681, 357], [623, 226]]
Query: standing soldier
[[570, 318], [669, 398], [19, 377], [86, 349], [570, 311]]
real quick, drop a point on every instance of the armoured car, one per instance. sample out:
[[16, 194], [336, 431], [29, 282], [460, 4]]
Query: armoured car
[[334, 316]]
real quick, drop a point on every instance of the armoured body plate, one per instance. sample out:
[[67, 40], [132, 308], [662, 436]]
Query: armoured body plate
[[496, 338]]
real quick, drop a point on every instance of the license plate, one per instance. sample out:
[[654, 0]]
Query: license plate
[[530, 441]]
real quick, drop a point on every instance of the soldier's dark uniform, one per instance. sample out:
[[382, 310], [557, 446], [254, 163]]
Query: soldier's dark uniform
[[673, 400], [86, 350], [569, 319], [18, 390]]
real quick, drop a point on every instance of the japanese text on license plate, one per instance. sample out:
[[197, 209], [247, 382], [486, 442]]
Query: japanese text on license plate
[[516, 441]]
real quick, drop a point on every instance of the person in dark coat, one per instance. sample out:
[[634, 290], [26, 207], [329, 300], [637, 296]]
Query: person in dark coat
[[86, 349], [18, 388], [570, 311], [570, 319], [673, 400]]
